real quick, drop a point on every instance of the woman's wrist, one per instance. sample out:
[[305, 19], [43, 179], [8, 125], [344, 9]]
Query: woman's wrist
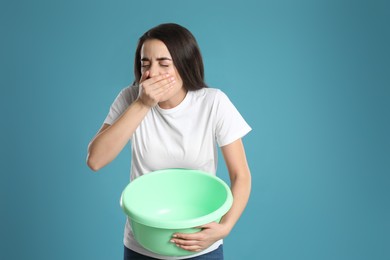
[[142, 104], [225, 230]]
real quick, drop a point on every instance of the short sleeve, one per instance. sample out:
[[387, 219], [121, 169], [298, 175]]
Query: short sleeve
[[121, 103], [230, 125]]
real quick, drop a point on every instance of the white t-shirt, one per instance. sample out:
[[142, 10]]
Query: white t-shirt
[[185, 136]]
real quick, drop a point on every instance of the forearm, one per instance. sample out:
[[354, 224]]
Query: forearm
[[240, 187], [240, 179], [108, 143]]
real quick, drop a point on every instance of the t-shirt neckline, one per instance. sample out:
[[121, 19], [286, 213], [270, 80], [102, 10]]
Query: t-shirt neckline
[[179, 107]]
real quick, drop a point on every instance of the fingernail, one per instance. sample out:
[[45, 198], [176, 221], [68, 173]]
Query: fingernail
[[174, 236], [172, 241]]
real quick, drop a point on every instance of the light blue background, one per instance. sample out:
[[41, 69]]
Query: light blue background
[[311, 78]]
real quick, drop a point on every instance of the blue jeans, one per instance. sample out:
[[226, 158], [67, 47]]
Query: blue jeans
[[217, 254]]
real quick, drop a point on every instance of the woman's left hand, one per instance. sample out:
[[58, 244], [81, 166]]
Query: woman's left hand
[[201, 240]]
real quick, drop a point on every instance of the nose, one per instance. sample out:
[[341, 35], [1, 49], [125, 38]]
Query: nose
[[154, 70]]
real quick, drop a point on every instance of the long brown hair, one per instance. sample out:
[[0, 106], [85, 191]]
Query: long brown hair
[[184, 50]]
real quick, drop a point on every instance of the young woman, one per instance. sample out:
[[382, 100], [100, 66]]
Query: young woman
[[174, 120]]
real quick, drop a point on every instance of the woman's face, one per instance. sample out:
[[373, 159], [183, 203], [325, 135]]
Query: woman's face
[[156, 59]]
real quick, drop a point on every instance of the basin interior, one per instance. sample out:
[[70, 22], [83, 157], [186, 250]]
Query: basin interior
[[175, 196]]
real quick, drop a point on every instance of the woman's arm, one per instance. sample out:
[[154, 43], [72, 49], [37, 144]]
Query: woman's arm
[[240, 178], [111, 139]]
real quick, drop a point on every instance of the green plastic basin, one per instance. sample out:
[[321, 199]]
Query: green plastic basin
[[164, 202]]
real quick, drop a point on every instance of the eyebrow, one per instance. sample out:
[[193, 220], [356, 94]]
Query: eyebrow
[[159, 59]]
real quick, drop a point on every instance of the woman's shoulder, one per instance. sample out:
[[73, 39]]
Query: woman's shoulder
[[209, 94], [129, 93], [130, 90], [210, 97]]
